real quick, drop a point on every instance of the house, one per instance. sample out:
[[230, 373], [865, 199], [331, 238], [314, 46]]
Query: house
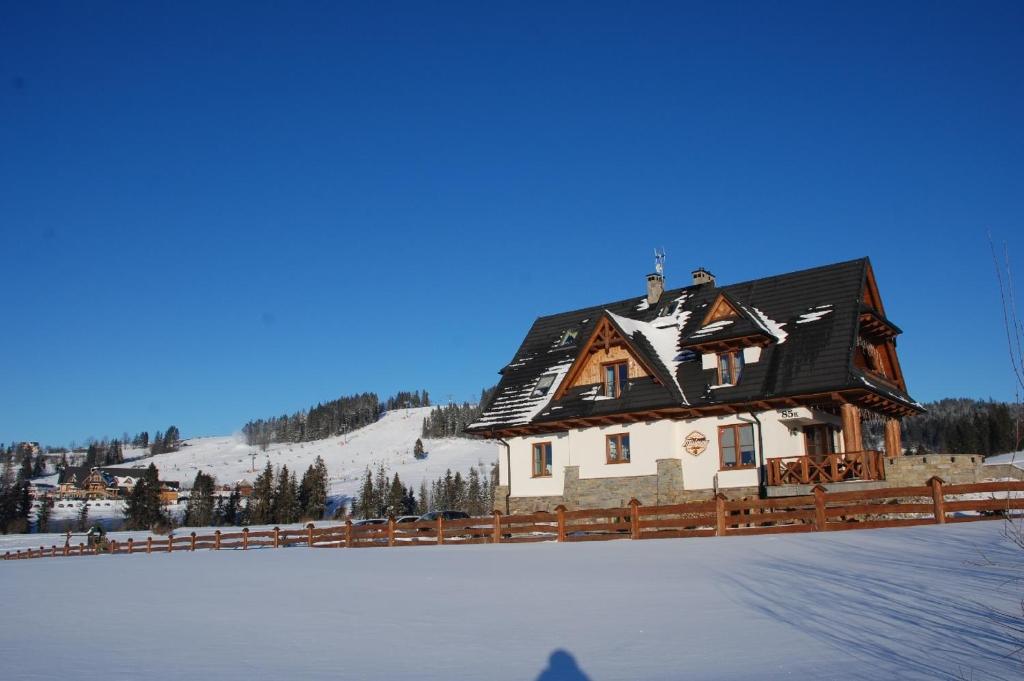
[[169, 491], [753, 388], [82, 482]]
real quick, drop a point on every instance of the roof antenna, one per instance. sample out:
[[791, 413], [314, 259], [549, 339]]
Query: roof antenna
[[659, 261]]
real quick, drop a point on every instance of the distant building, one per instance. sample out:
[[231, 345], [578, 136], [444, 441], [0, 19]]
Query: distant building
[[82, 482]]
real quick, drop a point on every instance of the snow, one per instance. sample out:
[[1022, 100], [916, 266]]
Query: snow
[[1014, 458], [521, 405], [713, 327], [389, 441], [642, 305], [913, 604], [815, 314], [773, 327]]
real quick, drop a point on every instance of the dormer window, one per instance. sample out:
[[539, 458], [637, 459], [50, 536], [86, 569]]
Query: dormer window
[[616, 374], [730, 367], [568, 338], [543, 385]]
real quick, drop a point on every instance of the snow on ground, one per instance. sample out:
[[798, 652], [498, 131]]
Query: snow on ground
[[1014, 458], [390, 441], [908, 603]]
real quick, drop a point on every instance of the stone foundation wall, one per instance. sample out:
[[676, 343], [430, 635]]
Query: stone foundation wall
[[667, 486], [650, 490], [954, 469]]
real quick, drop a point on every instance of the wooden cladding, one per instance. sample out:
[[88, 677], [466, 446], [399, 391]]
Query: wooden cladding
[[593, 368], [934, 502]]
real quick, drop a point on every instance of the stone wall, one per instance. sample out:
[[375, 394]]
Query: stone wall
[[667, 486], [954, 469], [651, 490]]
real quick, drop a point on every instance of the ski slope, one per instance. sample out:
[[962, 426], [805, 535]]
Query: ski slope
[[939, 602], [389, 441]]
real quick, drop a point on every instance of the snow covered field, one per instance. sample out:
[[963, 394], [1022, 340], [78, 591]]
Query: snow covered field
[[1013, 458], [388, 441], [910, 603]]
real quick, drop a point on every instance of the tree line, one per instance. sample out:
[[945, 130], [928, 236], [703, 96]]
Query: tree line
[[957, 426], [382, 494], [451, 420]]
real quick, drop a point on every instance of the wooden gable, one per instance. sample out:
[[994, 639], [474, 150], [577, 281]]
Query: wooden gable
[[722, 308], [875, 352], [605, 345]]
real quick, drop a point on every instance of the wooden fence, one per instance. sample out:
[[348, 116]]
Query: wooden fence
[[934, 502]]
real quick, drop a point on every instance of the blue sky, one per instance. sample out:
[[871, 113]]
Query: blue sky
[[212, 212]]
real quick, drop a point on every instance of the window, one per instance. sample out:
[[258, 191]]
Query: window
[[736, 446], [543, 385], [568, 338], [615, 376], [542, 459], [730, 366], [617, 448]]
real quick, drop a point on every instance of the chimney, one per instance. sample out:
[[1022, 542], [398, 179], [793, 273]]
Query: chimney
[[702, 276], [655, 287]]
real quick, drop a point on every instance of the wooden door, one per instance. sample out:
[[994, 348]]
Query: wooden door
[[818, 441]]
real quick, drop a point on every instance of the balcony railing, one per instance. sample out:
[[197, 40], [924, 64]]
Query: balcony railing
[[826, 468]]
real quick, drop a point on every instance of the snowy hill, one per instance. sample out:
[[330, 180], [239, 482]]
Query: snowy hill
[[389, 441]]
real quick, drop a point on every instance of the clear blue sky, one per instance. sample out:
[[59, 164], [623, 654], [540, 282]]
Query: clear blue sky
[[212, 212]]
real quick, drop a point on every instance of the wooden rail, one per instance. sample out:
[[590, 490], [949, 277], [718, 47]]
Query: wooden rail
[[931, 503], [829, 468]]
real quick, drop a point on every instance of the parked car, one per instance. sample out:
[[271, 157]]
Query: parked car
[[448, 515], [370, 521]]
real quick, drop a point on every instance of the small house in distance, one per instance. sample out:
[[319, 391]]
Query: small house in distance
[[754, 388]]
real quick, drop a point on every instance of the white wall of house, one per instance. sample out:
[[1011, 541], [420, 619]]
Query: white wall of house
[[585, 447]]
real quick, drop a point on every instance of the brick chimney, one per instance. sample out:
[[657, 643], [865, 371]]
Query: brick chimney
[[702, 276], [655, 287]]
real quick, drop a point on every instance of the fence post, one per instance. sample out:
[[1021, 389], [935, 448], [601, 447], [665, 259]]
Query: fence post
[[81, 549], [938, 501], [440, 529], [53, 551], [149, 544], [560, 511], [720, 515], [277, 537], [634, 518], [192, 543], [131, 545], [497, 526], [113, 547], [819, 508], [67, 550], [391, 530], [245, 538], [348, 534], [309, 535], [216, 540], [170, 542]]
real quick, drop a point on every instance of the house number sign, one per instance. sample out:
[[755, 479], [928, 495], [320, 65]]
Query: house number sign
[[695, 443]]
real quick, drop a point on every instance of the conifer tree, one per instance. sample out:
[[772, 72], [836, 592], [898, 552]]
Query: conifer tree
[[285, 502], [423, 502], [43, 516], [365, 506], [83, 516], [313, 491], [417, 450], [261, 503], [143, 509], [396, 498]]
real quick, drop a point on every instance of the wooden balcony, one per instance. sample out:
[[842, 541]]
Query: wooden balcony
[[830, 468]]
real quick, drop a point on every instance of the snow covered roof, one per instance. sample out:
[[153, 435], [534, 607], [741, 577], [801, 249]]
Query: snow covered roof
[[806, 321]]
